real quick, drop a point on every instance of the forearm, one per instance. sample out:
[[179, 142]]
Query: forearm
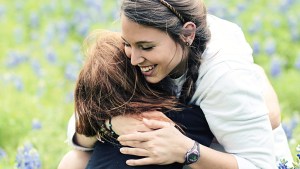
[[212, 159], [84, 141], [209, 158], [78, 141]]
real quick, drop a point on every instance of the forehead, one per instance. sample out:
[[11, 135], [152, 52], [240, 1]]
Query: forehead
[[134, 32]]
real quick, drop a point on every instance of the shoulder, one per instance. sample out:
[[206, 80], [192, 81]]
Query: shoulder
[[214, 21], [227, 40], [225, 78]]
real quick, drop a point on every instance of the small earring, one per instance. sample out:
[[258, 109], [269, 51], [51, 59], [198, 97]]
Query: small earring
[[187, 43]]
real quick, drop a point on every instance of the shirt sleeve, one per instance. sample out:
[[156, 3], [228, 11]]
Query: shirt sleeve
[[231, 99], [70, 136]]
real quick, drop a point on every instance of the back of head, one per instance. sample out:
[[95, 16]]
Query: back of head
[[170, 16], [108, 85]]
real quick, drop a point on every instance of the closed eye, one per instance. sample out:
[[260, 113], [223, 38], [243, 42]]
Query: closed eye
[[126, 44], [147, 48]]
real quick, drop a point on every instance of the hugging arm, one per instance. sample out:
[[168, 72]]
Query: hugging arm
[[79, 141], [238, 116], [236, 113]]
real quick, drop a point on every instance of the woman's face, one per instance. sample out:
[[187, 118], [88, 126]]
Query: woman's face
[[154, 51]]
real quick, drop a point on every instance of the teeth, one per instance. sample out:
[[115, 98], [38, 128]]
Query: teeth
[[146, 68]]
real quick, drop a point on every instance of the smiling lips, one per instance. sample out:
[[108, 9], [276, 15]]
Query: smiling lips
[[146, 70]]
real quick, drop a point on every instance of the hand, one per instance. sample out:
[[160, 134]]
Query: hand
[[163, 145], [133, 123]]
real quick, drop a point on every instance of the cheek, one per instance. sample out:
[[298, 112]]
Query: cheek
[[128, 52]]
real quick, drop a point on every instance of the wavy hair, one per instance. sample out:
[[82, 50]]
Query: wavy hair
[[108, 85]]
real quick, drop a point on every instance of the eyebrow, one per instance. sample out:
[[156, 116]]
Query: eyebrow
[[139, 42]]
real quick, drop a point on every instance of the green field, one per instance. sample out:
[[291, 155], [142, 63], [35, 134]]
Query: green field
[[40, 56]]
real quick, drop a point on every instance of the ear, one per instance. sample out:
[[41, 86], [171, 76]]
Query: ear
[[188, 32]]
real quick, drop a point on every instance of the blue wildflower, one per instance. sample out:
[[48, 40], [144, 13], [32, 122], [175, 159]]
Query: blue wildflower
[[49, 35], [282, 164], [34, 20], [297, 63], [256, 26], [36, 67], [83, 29], [241, 7], [27, 158], [71, 72], [270, 47], [275, 68], [15, 58], [36, 124], [51, 56], [289, 128], [18, 83], [70, 97], [2, 154], [286, 4], [63, 29], [256, 47], [218, 10]]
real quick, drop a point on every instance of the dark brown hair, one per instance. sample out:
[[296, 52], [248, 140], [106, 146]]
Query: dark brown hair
[[108, 85], [168, 16]]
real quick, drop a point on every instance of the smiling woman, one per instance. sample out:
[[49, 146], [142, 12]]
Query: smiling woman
[[148, 51]]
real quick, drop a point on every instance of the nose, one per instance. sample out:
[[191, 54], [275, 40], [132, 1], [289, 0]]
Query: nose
[[136, 57]]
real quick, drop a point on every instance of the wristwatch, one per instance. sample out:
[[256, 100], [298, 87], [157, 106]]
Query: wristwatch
[[193, 154]]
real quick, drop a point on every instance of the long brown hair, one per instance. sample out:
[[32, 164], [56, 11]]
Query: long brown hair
[[108, 85], [170, 16]]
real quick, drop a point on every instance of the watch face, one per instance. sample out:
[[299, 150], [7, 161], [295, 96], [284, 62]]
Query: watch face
[[193, 156]]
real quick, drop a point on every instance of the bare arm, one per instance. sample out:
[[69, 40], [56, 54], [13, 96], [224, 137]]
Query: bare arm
[[132, 124], [271, 99], [84, 141], [78, 141]]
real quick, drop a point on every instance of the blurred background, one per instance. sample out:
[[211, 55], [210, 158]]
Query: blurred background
[[40, 57]]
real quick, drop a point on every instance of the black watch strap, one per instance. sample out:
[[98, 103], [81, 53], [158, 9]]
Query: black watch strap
[[193, 154]]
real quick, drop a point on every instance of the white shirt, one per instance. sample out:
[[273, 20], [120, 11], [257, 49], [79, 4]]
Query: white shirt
[[229, 90]]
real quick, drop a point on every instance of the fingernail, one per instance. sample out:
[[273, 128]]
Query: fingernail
[[122, 150], [129, 162]]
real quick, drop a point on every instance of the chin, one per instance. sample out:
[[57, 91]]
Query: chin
[[152, 80]]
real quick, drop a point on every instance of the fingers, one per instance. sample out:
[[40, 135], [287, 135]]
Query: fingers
[[136, 144], [137, 136], [139, 162], [155, 124], [135, 151], [156, 115]]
